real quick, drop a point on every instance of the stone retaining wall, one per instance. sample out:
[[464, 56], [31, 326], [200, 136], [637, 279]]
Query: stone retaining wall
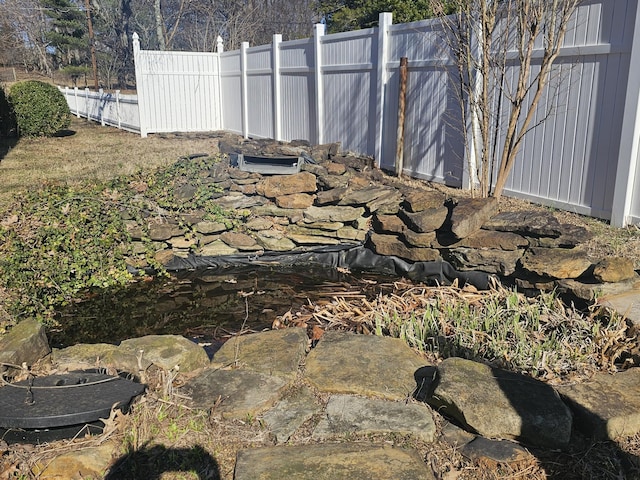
[[338, 198]]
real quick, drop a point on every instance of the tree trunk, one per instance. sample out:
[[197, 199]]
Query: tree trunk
[[159, 25]]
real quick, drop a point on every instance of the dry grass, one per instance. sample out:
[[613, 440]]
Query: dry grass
[[91, 153]]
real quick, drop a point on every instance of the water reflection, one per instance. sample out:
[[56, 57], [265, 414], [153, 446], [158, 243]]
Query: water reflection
[[204, 304]]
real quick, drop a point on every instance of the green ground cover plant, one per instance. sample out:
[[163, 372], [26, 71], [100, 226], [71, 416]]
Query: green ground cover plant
[[65, 239]]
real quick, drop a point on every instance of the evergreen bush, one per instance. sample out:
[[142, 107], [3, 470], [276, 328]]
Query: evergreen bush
[[7, 118], [40, 108]]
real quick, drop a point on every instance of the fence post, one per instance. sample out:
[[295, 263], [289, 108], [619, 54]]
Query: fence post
[[318, 32], [139, 86], [385, 20], [219, 109], [277, 98], [101, 106], [244, 95], [75, 94], [118, 108], [629, 138], [86, 103]]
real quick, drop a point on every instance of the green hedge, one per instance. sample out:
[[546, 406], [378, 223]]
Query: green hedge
[[40, 108]]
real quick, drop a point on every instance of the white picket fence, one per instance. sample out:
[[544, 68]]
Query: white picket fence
[[344, 88]]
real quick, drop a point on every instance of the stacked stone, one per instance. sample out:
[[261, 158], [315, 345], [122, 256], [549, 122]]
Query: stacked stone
[[340, 199]]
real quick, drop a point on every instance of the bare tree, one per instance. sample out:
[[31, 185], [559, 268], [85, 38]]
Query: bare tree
[[25, 19], [484, 37]]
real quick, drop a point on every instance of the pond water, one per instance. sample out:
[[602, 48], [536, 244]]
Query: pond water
[[204, 305]]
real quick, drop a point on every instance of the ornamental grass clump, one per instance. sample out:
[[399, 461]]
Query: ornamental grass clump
[[539, 336], [40, 109]]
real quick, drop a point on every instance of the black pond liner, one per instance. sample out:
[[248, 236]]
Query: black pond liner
[[54, 407], [356, 259]]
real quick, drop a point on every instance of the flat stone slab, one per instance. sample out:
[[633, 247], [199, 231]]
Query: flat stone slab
[[490, 451], [290, 413], [608, 406], [366, 365], [235, 393], [353, 461], [167, 352], [95, 355], [556, 262], [500, 404], [528, 223], [275, 352], [347, 414]]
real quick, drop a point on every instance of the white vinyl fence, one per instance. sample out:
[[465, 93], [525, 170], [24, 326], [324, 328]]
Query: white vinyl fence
[[344, 88], [112, 109]]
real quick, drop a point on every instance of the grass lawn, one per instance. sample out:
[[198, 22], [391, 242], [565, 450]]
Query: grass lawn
[[90, 152]]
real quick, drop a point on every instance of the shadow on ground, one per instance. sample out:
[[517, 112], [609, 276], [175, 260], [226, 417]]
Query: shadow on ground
[[151, 462], [6, 144], [64, 133], [585, 458]]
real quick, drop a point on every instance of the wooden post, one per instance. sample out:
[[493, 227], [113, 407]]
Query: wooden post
[[401, 116], [92, 44]]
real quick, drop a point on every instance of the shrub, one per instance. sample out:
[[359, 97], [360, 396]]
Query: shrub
[[40, 108], [7, 118]]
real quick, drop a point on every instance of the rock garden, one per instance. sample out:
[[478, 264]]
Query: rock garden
[[328, 392]]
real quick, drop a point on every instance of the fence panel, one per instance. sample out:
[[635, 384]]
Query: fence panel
[[178, 91], [433, 147], [298, 101], [231, 91], [259, 76], [114, 109], [569, 160], [349, 84]]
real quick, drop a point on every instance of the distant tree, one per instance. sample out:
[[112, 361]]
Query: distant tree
[[345, 15], [113, 27], [67, 34], [24, 32]]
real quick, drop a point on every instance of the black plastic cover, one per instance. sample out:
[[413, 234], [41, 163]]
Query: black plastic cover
[[63, 400], [356, 259]]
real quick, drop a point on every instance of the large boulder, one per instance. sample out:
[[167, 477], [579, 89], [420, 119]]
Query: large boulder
[[607, 406], [501, 404]]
